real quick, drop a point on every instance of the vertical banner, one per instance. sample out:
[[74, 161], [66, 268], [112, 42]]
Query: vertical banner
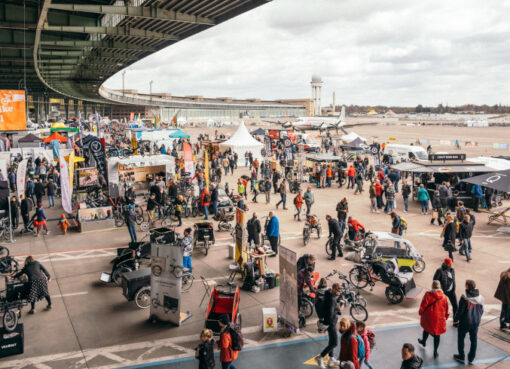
[[188, 159], [20, 177], [97, 151], [64, 185], [206, 169], [71, 170], [288, 287], [241, 238], [374, 150], [13, 116]]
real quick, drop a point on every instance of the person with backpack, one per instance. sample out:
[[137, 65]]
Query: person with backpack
[[396, 224], [352, 347], [503, 294], [369, 340], [230, 343], [298, 203], [342, 208], [433, 315], [329, 312], [309, 199], [204, 353], [336, 234], [446, 277], [267, 189], [205, 202]]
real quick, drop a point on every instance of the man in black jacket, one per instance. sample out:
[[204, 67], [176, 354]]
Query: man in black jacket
[[406, 191], [342, 208], [409, 359], [465, 232], [267, 188], [254, 229], [38, 190], [214, 198], [26, 208], [330, 311], [446, 276], [51, 191], [334, 230]]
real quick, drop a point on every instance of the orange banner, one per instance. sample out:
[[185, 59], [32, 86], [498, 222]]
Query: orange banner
[[12, 110]]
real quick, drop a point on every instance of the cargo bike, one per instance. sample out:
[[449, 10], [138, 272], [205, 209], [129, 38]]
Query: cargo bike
[[224, 300], [12, 299], [203, 236]]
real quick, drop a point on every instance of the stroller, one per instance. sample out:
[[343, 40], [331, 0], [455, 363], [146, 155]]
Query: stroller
[[223, 218], [400, 281]]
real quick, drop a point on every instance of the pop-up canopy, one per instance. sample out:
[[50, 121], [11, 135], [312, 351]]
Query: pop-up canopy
[[241, 142], [55, 136]]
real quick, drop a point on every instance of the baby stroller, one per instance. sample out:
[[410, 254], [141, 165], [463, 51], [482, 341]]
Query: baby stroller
[[223, 218], [400, 281]]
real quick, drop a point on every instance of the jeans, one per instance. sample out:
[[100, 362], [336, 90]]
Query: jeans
[[395, 185], [406, 203], [51, 200], [390, 206], [332, 341], [350, 183], [473, 338], [365, 361], [341, 223], [329, 181], [268, 196], [424, 206], [206, 211], [379, 201], [298, 213], [466, 247], [228, 365], [308, 208], [226, 170], [283, 200], [132, 232], [186, 262], [215, 207]]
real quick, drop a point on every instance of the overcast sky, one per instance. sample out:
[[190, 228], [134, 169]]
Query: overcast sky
[[395, 52]]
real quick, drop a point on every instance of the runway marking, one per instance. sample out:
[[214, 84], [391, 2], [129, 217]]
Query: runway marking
[[70, 294]]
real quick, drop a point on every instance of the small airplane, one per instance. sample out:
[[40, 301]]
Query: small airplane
[[318, 123]]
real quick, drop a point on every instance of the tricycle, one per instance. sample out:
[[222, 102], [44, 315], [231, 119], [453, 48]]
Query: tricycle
[[203, 236]]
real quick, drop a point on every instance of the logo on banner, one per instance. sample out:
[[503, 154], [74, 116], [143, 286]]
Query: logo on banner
[[96, 148]]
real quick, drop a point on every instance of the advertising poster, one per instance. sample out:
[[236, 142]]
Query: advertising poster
[[288, 287], [241, 238], [88, 177], [64, 186], [20, 177], [12, 110], [188, 159]]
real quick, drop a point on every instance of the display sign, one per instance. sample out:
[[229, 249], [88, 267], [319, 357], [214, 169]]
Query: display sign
[[288, 287], [447, 157], [97, 150], [20, 177], [13, 115], [88, 177]]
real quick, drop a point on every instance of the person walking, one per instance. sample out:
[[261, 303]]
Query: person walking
[[465, 233], [449, 236], [298, 203], [205, 201], [225, 164], [26, 208], [436, 209], [204, 353], [409, 359], [29, 190], [396, 224], [335, 234], [433, 315], [38, 278], [350, 343], [373, 199], [351, 173], [331, 311], [51, 190], [365, 334], [273, 232], [503, 295], [406, 191], [309, 199], [283, 194], [214, 199], [469, 316], [446, 277], [423, 198], [342, 208], [40, 220], [131, 222], [276, 178], [227, 354], [254, 228], [390, 198], [38, 190], [267, 189]]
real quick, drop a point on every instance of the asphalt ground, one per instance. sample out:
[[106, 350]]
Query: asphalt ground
[[92, 325]]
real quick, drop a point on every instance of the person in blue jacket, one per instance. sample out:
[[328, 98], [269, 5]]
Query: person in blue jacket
[[273, 232], [423, 198], [477, 192]]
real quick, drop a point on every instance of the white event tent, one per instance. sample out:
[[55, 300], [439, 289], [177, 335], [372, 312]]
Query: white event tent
[[241, 142]]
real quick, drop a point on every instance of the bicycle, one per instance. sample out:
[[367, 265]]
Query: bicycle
[[311, 223], [329, 244], [348, 296]]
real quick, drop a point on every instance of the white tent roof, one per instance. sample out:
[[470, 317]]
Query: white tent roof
[[351, 136], [495, 163], [242, 138]]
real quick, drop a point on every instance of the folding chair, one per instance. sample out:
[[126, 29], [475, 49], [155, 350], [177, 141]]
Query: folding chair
[[208, 286]]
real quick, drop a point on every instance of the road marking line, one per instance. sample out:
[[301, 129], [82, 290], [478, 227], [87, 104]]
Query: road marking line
[[70, 294]]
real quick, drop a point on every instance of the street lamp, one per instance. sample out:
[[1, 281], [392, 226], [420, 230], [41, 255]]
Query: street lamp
[[150, 90], [123, 77]]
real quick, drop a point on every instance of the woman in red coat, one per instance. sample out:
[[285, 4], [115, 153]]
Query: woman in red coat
[[348, 342], [433, 315]]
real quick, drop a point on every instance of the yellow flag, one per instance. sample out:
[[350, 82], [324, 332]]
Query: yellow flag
[[206, 170], [71, 170]]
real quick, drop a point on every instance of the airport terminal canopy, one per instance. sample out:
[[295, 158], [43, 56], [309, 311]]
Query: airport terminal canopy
[[241, 142]]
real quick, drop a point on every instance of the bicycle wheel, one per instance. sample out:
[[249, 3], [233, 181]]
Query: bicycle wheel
[[358, 277], [306, 308], [139, 211], [206, 247], [419, 266], [117, 274], [10, 320], [119, 220], [194, 212], [358, 312], [328, 247], [144, 227], [4, 251], [187, 282], [394, 295], [143, 297], [306, 236]]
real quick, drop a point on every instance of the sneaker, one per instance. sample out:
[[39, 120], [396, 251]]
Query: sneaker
[[436, 354], [320, 362], [48, 307], [422, 342], [32, 312], [459, 358], [333, 362], [331, 258]]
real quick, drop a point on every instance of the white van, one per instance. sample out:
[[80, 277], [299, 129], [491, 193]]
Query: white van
[[406, 152]]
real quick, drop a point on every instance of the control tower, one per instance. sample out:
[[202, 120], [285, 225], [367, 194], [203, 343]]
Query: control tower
[[316, 94]]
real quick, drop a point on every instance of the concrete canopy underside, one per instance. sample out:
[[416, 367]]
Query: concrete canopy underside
[[71, 47]]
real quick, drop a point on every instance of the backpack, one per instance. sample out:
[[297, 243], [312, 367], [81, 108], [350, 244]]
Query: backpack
[[207, 198], [371, 338], [403, 223], [237, 337], [361, 346]]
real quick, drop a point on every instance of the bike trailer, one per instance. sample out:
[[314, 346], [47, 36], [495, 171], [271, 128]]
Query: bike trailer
[[223, 302], [203, 229], [133, 281]]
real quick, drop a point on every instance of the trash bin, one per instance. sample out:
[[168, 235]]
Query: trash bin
[[231, 250], [270, 320]]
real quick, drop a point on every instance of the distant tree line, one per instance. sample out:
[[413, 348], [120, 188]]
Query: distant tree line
[[440, 109]]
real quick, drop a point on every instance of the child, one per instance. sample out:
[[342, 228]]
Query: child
[[205, 350], [364, 333], [63, 223]]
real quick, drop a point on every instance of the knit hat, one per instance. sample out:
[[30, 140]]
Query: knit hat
[[448, 262]]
